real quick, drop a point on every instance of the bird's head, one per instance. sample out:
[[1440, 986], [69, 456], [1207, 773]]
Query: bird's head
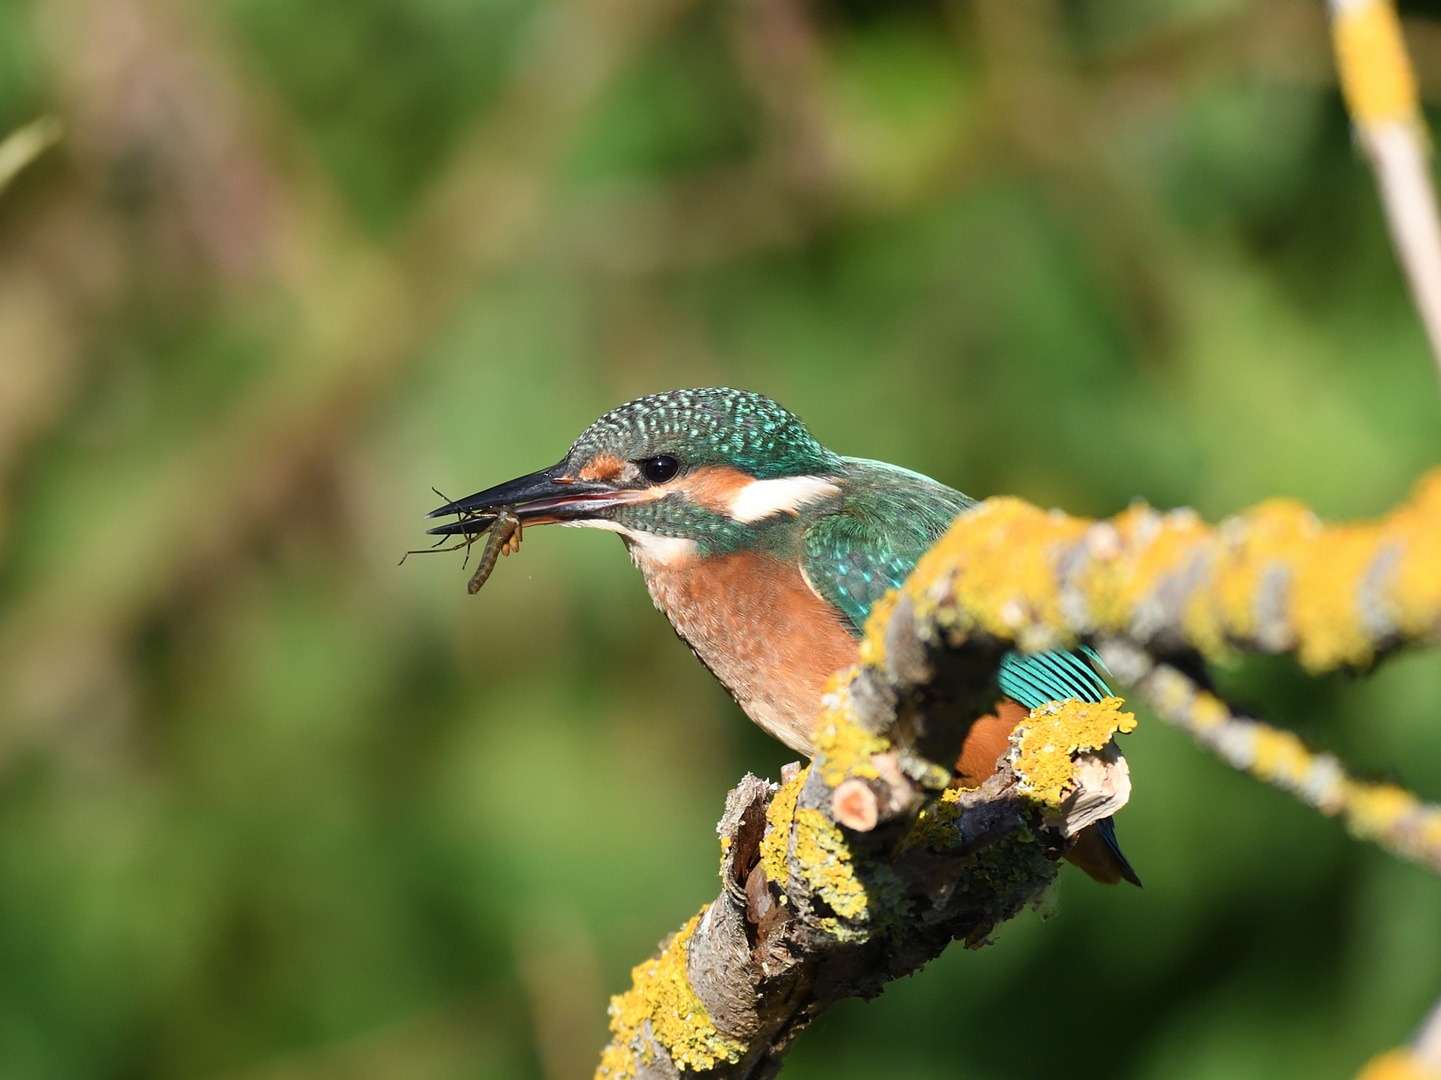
[[685, 471]]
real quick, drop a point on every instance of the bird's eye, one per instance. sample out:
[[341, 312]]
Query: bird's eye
[[659, 469]]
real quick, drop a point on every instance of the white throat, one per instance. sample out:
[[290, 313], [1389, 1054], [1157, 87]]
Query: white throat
[[647, 550]]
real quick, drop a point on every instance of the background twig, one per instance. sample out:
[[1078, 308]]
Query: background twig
[[1379, 86], [24, 145]]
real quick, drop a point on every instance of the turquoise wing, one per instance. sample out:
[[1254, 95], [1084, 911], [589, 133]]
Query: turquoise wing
[[866, 546], [1036, 678], [869, 544], [852, 563]]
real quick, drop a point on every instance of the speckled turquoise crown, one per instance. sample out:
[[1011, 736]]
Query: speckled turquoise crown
[[713, 425]]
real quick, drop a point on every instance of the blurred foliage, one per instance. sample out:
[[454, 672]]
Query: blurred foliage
[[271, 807]]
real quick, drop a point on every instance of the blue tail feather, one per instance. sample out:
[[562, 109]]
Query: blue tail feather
[[1107, 830]]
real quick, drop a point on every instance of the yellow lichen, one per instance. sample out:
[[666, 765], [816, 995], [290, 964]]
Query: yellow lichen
[[843, 747], [617, 1062], [1376, 808], [1393, 816], [1398, 1065], [1376, 77], [1042, 747], [1325, 613], [824, 859], [934, 827], [1148, 548], [776, 844], [1258, 553], [1414, 598], [1015, 858], [873, 643], [1279, 756], [1209, 712], [1314, 573], [661, 994], [993, 571]]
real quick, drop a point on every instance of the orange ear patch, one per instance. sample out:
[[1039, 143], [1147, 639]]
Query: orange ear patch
[[602, 467], [714, 486]]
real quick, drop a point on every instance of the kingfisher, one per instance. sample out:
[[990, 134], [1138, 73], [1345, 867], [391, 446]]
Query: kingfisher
[[766, 551]]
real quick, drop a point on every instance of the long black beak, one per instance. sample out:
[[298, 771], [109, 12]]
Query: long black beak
[[538, 499]]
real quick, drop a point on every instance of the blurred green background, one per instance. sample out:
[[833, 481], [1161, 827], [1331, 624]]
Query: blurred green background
[[272, 808]]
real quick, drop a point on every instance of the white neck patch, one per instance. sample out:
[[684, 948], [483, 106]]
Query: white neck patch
[[784, 495]]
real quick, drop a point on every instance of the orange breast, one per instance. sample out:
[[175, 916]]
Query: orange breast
[[986, 741], [759, 628], [773, 643]]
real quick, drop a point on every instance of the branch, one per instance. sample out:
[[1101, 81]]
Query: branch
[[864, 866], [813, 911], [1272, 580]]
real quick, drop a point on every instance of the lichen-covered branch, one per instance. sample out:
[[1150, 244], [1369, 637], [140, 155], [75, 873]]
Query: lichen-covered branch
[[865, 865], [1274, 579]]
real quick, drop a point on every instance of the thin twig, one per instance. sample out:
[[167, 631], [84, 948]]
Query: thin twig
[[1421, 1060], [1379, 86], [1390, 816], [1426, 1044]]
